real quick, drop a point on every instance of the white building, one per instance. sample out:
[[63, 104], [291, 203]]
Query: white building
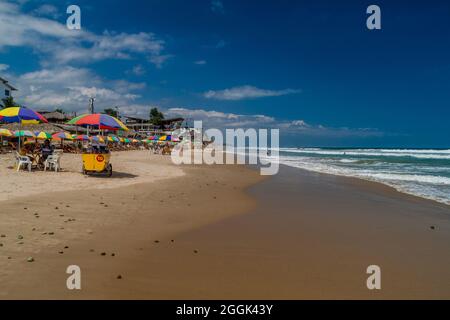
[[5, 89]]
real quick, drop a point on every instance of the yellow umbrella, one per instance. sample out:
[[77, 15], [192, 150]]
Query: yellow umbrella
[[43, 135], [5, 133]]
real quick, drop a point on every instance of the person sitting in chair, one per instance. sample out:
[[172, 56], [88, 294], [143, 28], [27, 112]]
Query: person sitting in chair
[[47, 149]]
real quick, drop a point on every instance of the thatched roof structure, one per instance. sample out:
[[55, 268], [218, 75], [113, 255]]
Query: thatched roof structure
[[56, 116], [47, 127]]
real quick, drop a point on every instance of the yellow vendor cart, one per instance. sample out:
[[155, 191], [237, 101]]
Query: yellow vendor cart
[[97, 163]]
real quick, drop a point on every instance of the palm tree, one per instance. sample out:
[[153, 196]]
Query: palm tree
[[9, 102], [156, 117], [111, 112]]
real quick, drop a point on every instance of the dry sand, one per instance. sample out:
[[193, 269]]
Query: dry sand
[[129, 167], [123, 221], [304, 235]]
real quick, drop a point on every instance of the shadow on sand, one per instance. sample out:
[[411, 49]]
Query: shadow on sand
[[115, 175]]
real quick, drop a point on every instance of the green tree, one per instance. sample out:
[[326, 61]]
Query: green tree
[[156, 117], [110, 111], [60, 110], [9, 102]]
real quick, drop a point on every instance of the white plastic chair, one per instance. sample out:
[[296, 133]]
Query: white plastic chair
[[23, 161], [52, 162]]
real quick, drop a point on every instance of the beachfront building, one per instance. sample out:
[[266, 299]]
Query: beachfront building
[[146, 128], [6, 89]]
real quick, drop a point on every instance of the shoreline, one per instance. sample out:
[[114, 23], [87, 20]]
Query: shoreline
[[376, 185], [399, 190]]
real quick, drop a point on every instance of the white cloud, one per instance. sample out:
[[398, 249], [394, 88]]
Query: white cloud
[[70, 88], [4, 67], [220, 44], [217, 6], [48, 10], [246, 92], [57, 44], [222, 120], [159, 60], [200, 62], [138, 70]]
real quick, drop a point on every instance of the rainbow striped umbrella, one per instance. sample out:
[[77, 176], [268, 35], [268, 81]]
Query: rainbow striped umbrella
[[24, 133], [63, 135], [81, 137], [42, 135], [113, 139], [98, 121], [21, 115], [5, 133], [98, 139], [165, 138]]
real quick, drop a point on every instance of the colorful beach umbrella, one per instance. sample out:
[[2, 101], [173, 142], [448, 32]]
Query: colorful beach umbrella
[[165, 138], [98, 121], [63, 135], [98, 139], [24, 133], [42, 135], [112, 139], [81, 137], [5, 133], [21, 115]]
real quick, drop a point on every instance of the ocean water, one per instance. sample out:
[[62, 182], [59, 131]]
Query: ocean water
[[420, 172]]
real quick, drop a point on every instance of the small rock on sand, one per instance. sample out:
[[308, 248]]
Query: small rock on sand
[[30, 259], [119, 277], [195, 251], [20, 237], [103, 253], [156, 241], [3, 236], [432, 227]]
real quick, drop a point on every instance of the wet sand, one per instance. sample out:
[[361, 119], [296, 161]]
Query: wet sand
[[312, 236], [205, 235]]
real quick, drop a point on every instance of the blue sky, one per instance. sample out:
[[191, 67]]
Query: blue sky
[[310, 68]]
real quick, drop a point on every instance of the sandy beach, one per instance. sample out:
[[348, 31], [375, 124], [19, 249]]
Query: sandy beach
[[160, 231]]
